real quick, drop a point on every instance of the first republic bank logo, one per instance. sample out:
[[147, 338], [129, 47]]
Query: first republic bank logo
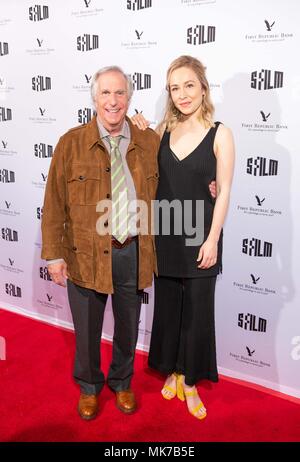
[[136, 5]]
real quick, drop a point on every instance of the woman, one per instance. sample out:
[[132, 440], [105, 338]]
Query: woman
[[193, 151]]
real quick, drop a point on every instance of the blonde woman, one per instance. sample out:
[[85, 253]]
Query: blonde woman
[[194, 150]]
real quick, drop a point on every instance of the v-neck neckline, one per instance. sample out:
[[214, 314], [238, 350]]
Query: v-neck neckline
[[192, 152]]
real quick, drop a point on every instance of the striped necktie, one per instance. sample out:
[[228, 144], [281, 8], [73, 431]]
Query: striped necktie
[[119, 192]]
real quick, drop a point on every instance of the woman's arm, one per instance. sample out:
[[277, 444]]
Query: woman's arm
[[224, 151]]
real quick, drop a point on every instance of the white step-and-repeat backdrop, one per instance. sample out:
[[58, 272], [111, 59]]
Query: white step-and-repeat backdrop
[[49, 51]]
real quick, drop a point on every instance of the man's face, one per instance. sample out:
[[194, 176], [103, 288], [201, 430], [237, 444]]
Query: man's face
[[111, 101]]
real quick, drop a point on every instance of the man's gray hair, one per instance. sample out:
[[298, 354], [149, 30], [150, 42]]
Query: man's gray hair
[[104, 70]]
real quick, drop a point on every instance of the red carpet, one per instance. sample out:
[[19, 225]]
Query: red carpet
[[39, 399]]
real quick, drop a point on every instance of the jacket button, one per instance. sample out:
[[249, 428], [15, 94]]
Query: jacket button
[[108, 196], [106, 251], [107, 169], [81, 177], [74, 248]]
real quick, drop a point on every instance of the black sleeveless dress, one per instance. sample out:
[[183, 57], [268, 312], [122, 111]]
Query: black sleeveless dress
[[186, 180]]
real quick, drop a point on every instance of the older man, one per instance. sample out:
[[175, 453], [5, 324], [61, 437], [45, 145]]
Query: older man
[[107, 159]]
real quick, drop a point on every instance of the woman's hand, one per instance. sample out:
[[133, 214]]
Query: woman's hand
[[207, 254], [139, 120]]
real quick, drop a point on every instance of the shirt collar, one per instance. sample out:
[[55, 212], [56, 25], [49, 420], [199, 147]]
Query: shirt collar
[[125, 131]]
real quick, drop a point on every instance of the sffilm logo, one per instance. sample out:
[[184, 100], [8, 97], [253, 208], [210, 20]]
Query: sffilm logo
[[7, 176], [141, 81], [136, 5], [44, 273], [266, 79], [9, 234], [199, 35], [3, 48], [145, 298], [12, 290], [41, 83], [260, 166], [257, 248], [43, 150], [85, 115], [39, 212], [87, 42], [38, 12], [251, 322], [5, 114]]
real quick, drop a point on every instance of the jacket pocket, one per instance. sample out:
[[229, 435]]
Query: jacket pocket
[[83, 183], [152, 183], [78, 254]]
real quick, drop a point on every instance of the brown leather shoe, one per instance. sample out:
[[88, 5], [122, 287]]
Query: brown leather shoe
[[88, 406], [126, 401]]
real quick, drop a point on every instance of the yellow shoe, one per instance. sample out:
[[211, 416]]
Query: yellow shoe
[[182, 395], [198, 407], [167, 391], [180, 391]]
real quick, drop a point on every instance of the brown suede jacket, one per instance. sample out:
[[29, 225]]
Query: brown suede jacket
[[79, 177]]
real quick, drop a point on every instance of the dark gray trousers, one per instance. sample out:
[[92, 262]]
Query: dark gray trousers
[[87, 307]]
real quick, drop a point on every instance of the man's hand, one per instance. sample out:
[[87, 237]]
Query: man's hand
[[58, 273], [213, 189]]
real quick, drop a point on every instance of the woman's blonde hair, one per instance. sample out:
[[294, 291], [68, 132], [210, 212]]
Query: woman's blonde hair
[[173, 115]]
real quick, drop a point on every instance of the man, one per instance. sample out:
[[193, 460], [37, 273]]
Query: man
[[107, 159]]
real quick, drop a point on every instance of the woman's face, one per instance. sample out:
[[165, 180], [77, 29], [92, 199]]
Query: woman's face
[[186, 91]]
